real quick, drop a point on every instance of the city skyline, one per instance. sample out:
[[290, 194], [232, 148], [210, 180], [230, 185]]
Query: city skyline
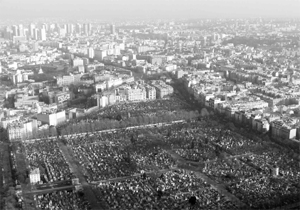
[[129, 105], [163, 9]]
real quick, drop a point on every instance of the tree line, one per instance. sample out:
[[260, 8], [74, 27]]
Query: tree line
[[85, 125], [105, 124]]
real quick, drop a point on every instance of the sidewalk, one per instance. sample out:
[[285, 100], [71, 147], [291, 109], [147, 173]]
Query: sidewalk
[[88, 192]]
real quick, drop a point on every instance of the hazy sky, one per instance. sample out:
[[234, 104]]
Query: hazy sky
[[128, 9]]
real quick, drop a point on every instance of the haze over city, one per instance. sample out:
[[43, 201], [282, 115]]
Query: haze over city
[[130, 9], [149, 104]]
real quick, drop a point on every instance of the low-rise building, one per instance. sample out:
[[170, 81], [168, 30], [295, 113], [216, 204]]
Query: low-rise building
[[136, 94], [53, 117], [162, 89], [151, 92], [282, 130], [35, 176], [261, 125], [68, 80], [21, 130]]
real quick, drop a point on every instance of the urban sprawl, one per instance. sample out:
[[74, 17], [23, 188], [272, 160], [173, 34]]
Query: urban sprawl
[[157, 115]]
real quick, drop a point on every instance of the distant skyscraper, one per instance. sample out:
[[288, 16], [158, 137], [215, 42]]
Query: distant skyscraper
[[196, 48], [70, 29], [91, 53], [65, 27], [89, 28], [31, 30], [45, 26], [8, 33], [36, 34], [78, 28], [179, 46], [43, 34], [21, 30], [112, 29], [15, 30], [26, 32], [204, 41], [85, 29], [62, 32], [57, 27], [35, 46]]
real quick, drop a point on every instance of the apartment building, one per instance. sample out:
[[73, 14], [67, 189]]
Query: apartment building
[[52, 117], [68, 80], [20, 130], [162, 89], [136, 94], [151, 92], [282, 130]]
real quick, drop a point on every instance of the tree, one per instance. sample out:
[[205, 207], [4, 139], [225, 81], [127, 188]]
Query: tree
[[73, 89], [133, 140], [80, 128], [74, 128], [9, 102], [172, 117], [89, 103], [87, 127], [192, 200], [119, 117], [97, 125], [45, 99], [40, 134], [53, 131], [92, 125], [133, 121], [104, 124], [154, 119], [147, 119], [122, 124], [192, 145], [266, 138], [10, 199], [34, 134], [204, 112], [3, 135], [46, 132], [169, 134], [140, 120], [64, 141], [193, 114], [67, 130], [231, 126]]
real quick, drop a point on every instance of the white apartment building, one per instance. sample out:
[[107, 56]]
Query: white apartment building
[[136, 94]]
